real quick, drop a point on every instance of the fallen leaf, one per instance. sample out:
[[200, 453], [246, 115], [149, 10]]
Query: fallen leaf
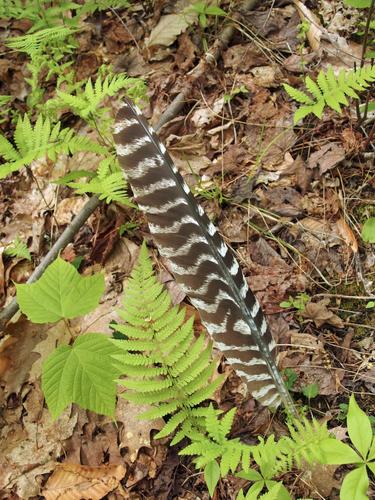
[[347, 234], [320, 314], [78, 482], [135, 433], [169, 27], [327, 157], [315, 32]]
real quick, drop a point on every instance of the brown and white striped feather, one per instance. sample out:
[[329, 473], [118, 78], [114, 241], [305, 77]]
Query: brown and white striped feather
[[201, 262]]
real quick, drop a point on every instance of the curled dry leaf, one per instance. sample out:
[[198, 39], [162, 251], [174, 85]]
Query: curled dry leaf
[[327, 157], [347, 234], [80, 482], [315, 31], [320, 314]]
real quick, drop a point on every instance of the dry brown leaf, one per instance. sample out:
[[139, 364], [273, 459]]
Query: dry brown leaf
[[266, 76], [347, 234], [78, 482], [135, 433], [322, 477], [315, 32], [327, 157], [319, 314], [68, 208], [169, 27]]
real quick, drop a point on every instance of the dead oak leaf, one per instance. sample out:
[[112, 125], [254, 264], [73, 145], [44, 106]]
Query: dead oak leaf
[[78, 482], [320, 314], [327, 157]]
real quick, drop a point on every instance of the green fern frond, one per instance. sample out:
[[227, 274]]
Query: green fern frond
[[91, 7], [109, 183], [18, 249], [40, 141], [330, 90], [176, 368], [87, 101], [34, 43]]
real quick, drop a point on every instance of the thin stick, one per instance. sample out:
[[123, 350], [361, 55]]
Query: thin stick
[[171, 112], [66, 237]]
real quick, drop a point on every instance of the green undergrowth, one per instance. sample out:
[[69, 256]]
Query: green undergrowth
[[155, 356]]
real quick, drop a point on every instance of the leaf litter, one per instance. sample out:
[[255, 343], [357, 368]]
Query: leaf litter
[[289, 208]]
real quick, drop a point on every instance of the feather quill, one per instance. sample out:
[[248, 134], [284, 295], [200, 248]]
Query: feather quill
[[201, 262]]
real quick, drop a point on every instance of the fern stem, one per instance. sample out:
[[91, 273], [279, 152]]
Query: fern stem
[[367, 29]]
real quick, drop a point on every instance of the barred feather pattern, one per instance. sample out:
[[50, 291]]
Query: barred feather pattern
[[201, 262]]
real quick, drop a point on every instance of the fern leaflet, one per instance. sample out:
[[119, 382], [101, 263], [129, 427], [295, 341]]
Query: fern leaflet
[[18, 249], [164, 364], [109, 183], [41, 140], [86, 102], [330, 90]]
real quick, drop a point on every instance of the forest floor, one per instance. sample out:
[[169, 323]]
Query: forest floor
[[290, 200]]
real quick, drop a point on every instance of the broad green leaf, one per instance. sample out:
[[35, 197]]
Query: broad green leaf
[[254, 490], [355, 485], [371, 455], [212, 476], [359, 428], [371, 466], [311, 390], [250, 475], [277, 492], [60, 293], [337, 453], [215, 11], [368, 230], [358, 4], [82, 374]]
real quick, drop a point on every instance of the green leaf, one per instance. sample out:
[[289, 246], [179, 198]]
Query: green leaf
[[338, 453], [311, 390], [290, 377], [61, 292], [18, 249], [82, 374], [371, 466], [370, 304], [277, 492], [213, 10], [251, 475], [212, 476], [359, 428], [355, 485], [358, 4], [368, 230], [371, 454]]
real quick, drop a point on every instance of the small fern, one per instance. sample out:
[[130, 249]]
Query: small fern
[[86, 101], [330, 90], [164, 364], [36, 142], [33, 43], [18, 249], [209, 442], [109, 183]]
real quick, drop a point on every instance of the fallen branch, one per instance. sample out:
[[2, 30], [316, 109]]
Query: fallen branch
[[211, 58]]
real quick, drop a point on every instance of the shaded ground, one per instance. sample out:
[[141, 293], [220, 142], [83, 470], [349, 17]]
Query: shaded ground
[[289, 200]]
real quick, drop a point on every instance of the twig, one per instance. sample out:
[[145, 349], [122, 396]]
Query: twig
[[340, 296], [65, 238], [171, 112], [203, 66]]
